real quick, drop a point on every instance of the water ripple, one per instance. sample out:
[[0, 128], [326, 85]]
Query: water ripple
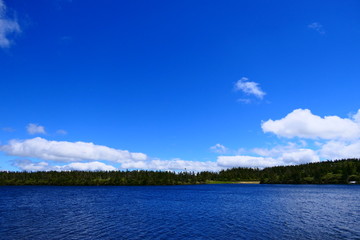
[[180, 212]]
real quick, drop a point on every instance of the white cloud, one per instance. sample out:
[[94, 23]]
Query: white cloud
[[89, 166], [67, 151], [341, 137], [275, 151], [338, 138], [340, 150], [317, 27], [8, 26], [173, 165], [299, 156], [27, 165], [32, 128], [249, 88], [245, 161], [356, 117], [219, 148], [270, 158], [168, 165], [290, 154], [303, 124]]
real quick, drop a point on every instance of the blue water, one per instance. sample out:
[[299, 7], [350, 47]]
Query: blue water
[[231, 211]]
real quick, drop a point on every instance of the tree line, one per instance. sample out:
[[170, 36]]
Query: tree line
[[329, 172]]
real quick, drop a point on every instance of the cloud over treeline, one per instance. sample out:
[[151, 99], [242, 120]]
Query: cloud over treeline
[[333, 137]]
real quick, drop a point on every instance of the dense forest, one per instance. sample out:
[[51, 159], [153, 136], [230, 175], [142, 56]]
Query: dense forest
[[329, 172]]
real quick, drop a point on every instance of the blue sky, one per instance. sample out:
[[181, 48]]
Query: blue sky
[[169, 85]]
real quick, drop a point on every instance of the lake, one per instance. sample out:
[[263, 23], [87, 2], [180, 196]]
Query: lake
[[223, 211]]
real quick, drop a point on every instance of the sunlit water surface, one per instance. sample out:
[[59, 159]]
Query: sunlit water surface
[[233, 211]]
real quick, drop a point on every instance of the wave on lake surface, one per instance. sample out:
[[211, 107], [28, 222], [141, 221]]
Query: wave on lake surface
[[223, 211]]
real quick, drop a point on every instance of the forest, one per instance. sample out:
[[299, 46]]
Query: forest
[[327, 172]]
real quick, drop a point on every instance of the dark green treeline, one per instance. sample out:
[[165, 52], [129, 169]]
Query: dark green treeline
[[330, 172]]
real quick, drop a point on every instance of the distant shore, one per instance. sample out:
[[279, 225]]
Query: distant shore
[[233, 182], [345, 171]]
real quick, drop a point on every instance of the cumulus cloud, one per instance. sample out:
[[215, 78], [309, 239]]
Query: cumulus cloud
[[173, 165], [270, 158], [33, 128], [8, 26], [334, 137], [163, 165], [338, 137], [340, 149], [317, 27], [290, 154], [356, 117], [303, 124], [245, 161], [27, 165], [67, 151], [89, 166], [219, 148], [249, 88], [298, 156], [275, 151]]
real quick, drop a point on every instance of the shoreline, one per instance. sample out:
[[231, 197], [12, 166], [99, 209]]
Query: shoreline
[[233, 182]]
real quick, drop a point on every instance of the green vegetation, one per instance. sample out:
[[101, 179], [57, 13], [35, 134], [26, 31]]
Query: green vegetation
[[330, 172]]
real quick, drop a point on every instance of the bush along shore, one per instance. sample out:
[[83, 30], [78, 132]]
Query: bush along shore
[[346, 171]]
